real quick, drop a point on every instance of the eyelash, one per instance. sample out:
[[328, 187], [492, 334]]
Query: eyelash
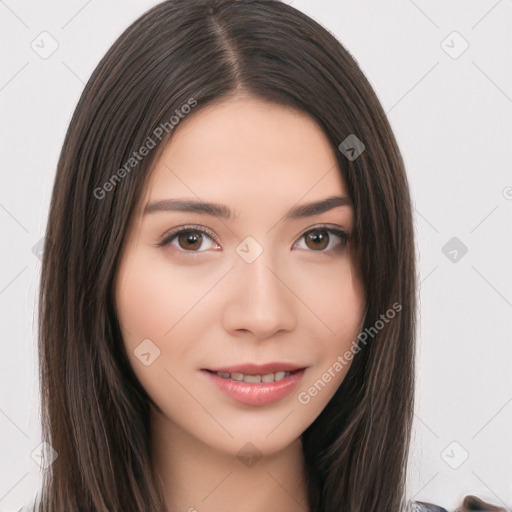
[[169, 236]]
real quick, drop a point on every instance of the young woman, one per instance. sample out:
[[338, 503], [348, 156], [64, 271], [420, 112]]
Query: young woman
[[227, 308]]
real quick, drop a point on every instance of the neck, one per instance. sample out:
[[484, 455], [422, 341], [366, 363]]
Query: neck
[[196, 477]]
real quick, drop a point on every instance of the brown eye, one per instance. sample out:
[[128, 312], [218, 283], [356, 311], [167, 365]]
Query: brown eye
[[190, 240], [317, 240], [187, 239], [324, 239]]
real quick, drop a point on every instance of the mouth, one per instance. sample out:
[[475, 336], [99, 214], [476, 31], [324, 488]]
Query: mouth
[[255, 378], [255, 388]]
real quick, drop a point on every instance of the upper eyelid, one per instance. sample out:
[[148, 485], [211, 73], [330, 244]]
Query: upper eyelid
[[188, 227]]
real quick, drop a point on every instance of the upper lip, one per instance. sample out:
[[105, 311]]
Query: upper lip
[[258, 369]]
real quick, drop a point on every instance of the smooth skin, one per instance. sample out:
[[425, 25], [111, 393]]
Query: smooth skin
[[204, 306]]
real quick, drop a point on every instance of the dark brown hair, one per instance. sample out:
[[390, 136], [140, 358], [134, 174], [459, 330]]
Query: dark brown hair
[[95, 413]]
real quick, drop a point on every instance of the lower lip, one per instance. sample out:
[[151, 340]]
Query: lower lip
[[256, 394]]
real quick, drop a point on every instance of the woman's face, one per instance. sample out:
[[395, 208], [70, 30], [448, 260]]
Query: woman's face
[[259, 279]]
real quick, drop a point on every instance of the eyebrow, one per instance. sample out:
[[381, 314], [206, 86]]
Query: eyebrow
[[222, 211]]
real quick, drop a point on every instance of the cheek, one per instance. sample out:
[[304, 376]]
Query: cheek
[[157, 302], [152, 296], [350, 313], [336, 299], [165, 303], [339, 304]]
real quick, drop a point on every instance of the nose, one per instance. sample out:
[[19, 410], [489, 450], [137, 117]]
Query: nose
[[259, 300]]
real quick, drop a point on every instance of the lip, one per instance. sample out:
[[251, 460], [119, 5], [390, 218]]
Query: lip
[[258, 369], [256, 394]]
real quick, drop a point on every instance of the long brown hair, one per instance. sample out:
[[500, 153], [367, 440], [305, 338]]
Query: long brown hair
[[95, 413]]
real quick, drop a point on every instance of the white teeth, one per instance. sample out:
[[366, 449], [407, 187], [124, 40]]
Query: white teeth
[[254, 379]]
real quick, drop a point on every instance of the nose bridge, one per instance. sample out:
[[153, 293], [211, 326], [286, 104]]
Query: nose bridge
[[261, 280], [260, 301]]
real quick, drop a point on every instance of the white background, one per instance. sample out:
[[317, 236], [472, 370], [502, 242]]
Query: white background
[[452, 119]]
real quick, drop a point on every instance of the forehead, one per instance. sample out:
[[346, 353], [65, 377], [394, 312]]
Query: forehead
[[245, 151]]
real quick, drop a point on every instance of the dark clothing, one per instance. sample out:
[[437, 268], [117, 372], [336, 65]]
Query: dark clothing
[[470, 504]]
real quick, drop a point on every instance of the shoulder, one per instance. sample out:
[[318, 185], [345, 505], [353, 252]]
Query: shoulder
[[421, 506], [469, 504]]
